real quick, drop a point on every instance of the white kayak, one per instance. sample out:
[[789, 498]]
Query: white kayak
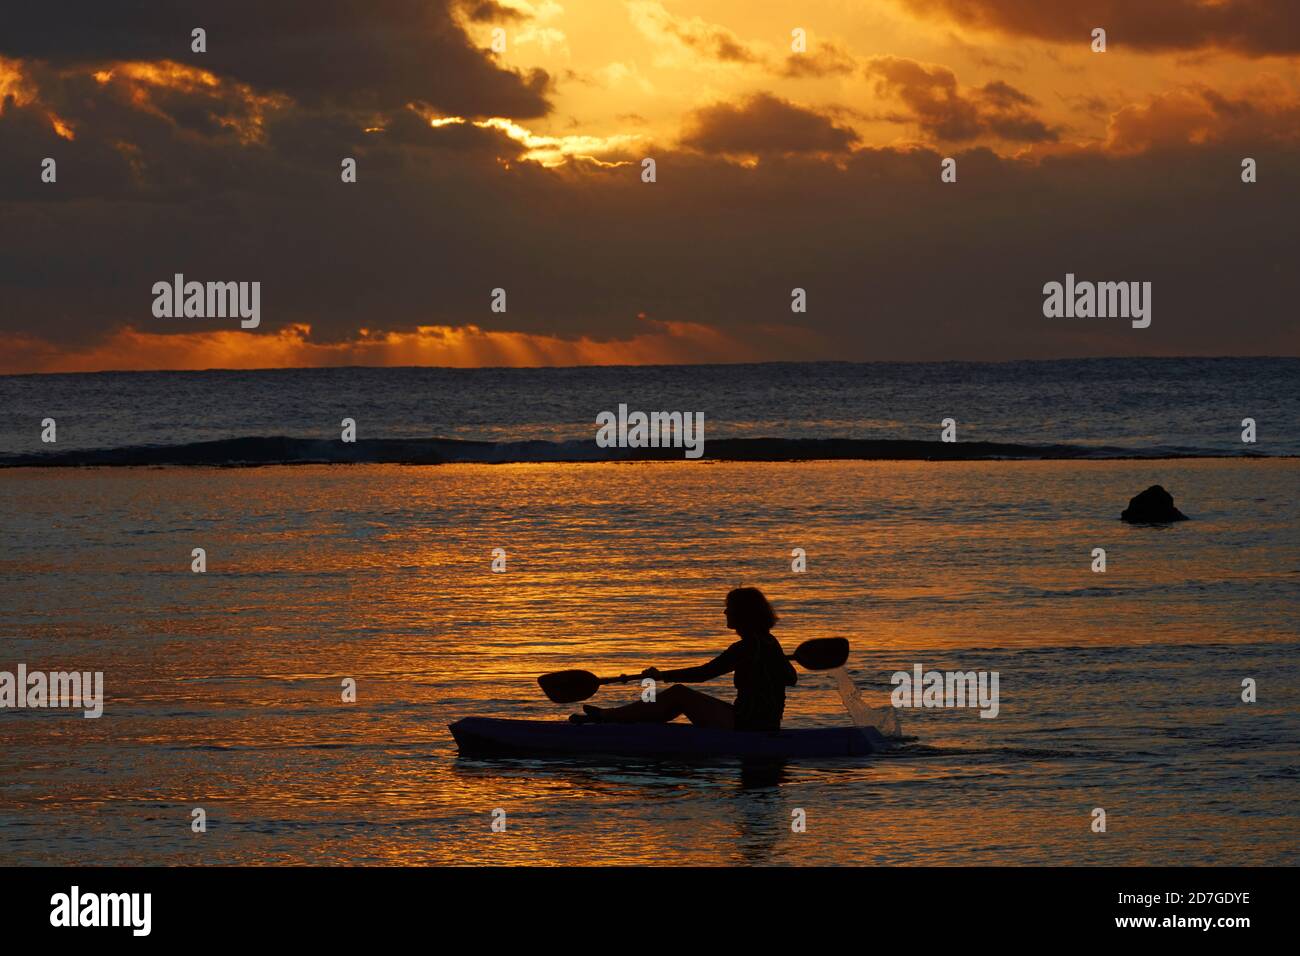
[[492, 736]]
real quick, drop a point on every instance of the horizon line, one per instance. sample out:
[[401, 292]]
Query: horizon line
[[654, 365]]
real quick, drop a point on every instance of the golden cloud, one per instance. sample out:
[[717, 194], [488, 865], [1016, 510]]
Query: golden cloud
[[451, 346]]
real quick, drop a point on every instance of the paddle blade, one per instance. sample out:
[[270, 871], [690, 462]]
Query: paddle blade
[[567, 687], [822, 653]]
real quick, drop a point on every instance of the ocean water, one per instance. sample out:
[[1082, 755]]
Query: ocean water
[[1119, 691], [1115, 406]]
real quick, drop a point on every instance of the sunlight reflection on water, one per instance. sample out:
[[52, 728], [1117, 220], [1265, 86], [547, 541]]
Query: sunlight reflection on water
[[224, 689]]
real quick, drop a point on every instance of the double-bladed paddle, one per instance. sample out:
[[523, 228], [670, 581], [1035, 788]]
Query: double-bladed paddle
[[569, 687]]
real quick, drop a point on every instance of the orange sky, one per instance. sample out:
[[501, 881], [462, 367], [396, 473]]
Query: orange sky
[[712, 82]]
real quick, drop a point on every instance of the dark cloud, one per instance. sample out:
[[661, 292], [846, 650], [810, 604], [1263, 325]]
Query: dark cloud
[[707, 39], [764, 124], [380, 54], [717, 43], [1264, 118], [126, 138], [825, 59], [1005, 95], [930, 93], [1086, 103], [982, 57], [936, 103], [489, 11], [896, 264], [167, 174], [1020, 128], [86, 168], [1251, 27]]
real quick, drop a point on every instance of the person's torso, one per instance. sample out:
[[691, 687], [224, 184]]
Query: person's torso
[[760, 683]]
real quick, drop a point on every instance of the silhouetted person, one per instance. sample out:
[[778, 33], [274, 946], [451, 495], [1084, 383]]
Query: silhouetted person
[[762, 675]]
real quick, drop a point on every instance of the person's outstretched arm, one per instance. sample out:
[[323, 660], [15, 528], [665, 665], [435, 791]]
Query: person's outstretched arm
[[724, 663]]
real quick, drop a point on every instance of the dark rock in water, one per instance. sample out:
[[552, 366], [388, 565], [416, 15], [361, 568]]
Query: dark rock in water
[[1153, 506]]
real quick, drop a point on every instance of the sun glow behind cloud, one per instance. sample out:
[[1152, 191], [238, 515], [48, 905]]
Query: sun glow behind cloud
[[17, 88], [548, 151], [451, 346], [762, 156]]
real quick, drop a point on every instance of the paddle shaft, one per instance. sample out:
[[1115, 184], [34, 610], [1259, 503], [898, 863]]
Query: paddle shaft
[[567, 687], [624, 678]]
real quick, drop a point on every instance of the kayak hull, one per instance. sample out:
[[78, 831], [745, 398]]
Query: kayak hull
[[496, 737]]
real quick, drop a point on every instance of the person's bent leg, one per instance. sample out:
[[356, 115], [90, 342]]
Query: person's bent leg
[[665, 707], [705, 710]]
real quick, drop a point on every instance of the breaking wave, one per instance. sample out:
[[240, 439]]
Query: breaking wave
[[283, 450]]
